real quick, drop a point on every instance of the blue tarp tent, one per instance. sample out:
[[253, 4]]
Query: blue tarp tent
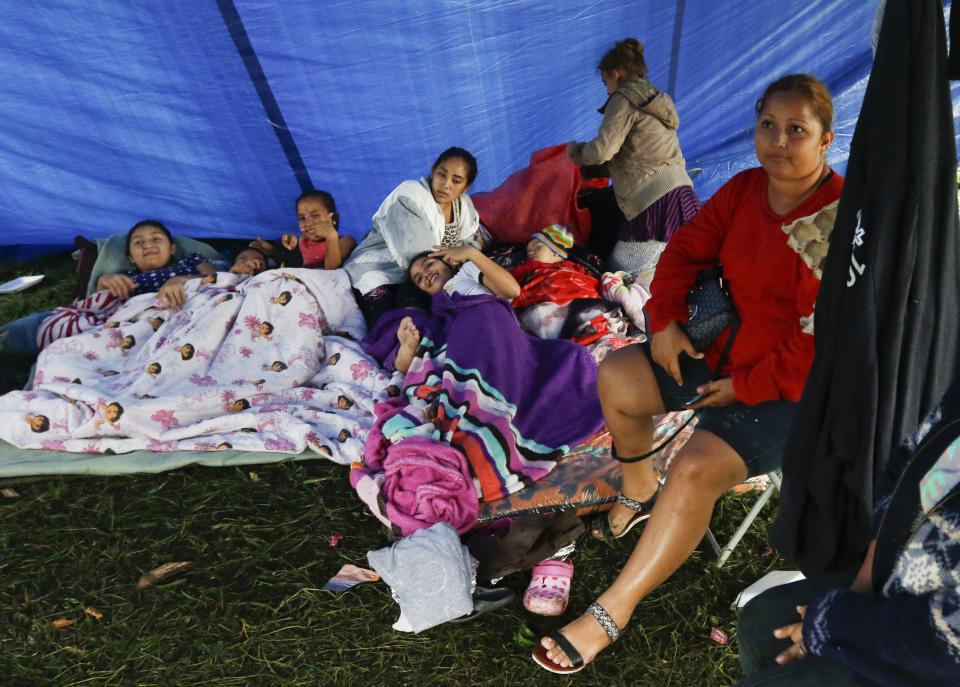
[[213, 115]]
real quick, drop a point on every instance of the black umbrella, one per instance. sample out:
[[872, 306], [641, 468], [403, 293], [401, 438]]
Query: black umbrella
[[887, 317]]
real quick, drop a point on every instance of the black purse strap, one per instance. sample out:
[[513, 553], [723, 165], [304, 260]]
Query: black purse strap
[[726, 348]]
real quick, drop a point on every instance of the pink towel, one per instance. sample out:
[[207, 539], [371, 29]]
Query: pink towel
[[428, 482], [375, 450]]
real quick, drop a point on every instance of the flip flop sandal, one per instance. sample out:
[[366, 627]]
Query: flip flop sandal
[[549, 589], [601, 524], [544, 661]]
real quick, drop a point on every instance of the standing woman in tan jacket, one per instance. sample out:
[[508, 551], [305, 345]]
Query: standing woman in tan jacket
[[637, 148]]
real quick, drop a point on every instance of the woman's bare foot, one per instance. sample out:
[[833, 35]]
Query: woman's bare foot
[[587, 636], [620, 515]]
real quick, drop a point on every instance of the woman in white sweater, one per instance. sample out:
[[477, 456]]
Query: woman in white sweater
[[417, 215]]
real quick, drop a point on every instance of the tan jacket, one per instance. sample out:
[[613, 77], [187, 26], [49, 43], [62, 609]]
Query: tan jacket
[[637, 143]]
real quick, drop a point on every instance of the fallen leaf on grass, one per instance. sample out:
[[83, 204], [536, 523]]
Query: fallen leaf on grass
[[254, 477], [718, 636], [61, 623], [525, 637], [164, 572], [75, 650], [94, 612], [10, 493]]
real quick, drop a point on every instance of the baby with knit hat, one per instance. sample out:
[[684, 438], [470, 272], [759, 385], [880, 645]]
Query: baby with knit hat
[[549, 279], [550, 244]]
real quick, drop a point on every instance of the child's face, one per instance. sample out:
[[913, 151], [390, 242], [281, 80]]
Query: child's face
[[538, 250], [314, 218], [150, 248], [448, 180], [429, 274], [250, 262]]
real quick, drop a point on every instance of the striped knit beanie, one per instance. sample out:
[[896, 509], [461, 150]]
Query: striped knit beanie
[[557, 237]]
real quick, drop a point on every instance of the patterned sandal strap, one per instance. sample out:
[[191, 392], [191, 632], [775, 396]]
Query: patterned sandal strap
[[639, 506], [606, 622]]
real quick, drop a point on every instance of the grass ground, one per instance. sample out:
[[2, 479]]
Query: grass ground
[[250, 610]]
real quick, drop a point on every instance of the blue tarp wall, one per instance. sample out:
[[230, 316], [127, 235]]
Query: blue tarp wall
[[212, 116]]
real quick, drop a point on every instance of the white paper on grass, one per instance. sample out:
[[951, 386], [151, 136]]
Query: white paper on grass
[[774, 578], [20, 283]]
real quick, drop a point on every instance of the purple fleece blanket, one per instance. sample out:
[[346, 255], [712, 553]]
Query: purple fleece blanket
[[512, 403]]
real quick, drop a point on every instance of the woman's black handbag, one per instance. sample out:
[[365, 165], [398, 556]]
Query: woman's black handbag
[[710, 311]]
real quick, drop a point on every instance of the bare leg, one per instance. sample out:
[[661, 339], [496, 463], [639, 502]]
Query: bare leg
[[629, 397], [703, 471]]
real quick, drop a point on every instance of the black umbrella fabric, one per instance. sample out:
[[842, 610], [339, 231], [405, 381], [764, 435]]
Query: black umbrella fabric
[[887, 324]]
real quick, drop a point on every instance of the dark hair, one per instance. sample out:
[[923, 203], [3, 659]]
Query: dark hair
[[813, 90], [626, 56], [244, 403], [426, 254], [147, 223], [118, 407], [156, 365], [128, 338], [265, 323], [325, 198], [275, 363], [44, 424], [468, 159], [255, 250], [186, 355]]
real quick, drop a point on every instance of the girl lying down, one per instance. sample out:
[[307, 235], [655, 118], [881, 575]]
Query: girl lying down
[[461, 269], [555, 298], [157, 269], [510, 403]]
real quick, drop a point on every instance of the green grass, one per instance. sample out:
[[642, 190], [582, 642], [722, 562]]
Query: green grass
[[251, 612]]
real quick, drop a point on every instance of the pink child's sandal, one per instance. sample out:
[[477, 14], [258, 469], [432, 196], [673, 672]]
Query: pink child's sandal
[[549, 589]]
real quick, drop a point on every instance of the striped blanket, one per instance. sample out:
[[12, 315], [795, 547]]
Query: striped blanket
[[512, 404]]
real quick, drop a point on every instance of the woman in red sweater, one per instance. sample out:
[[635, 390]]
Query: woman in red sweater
[[746, 413]]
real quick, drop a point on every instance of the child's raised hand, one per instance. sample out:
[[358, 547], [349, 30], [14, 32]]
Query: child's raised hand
[[289, 241], [454, 255], [119, 285], [264, 247]]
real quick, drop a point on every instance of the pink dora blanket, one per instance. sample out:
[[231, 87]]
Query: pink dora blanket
[[266, 363]]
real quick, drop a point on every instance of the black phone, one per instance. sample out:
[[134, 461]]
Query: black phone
[[698, 397]]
